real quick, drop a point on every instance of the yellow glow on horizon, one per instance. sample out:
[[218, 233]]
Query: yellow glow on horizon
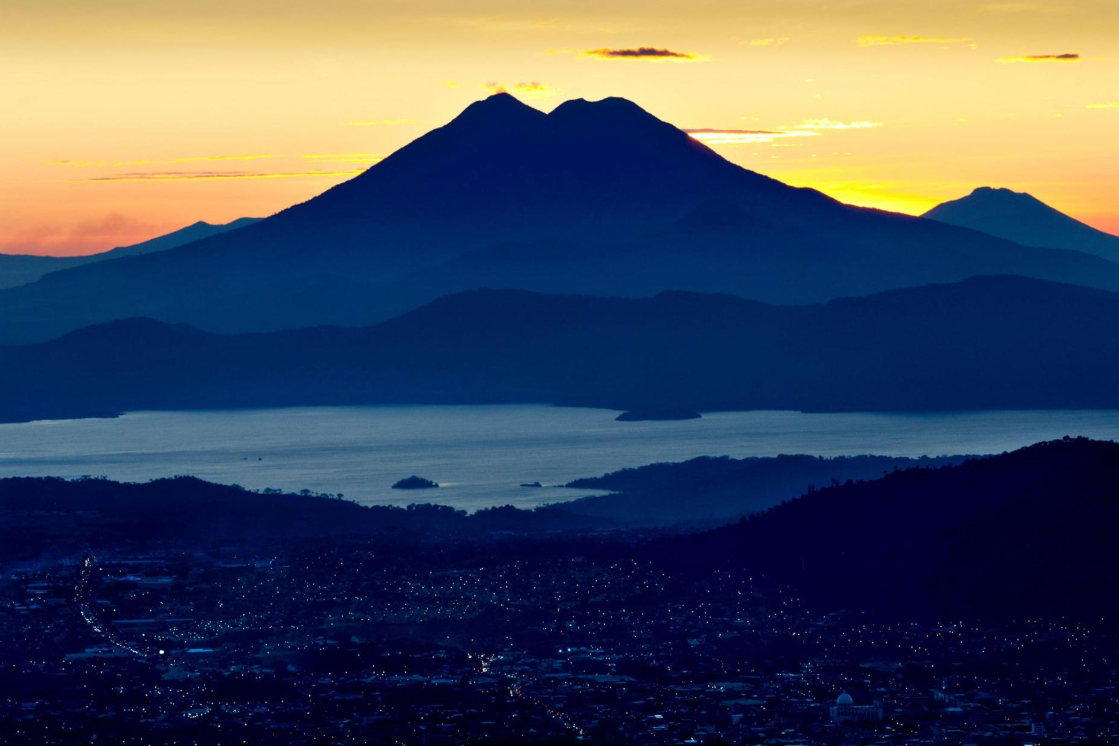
[[877, 196]]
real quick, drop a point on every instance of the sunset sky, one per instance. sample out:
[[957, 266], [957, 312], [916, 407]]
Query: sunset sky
[[124, 119]]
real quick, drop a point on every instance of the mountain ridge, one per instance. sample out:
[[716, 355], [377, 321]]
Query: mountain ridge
[[487, 199], [983, 343], [22, 269]]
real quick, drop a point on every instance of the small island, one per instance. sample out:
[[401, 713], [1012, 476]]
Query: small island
[[658, 413], [415, 483], [531, 484]]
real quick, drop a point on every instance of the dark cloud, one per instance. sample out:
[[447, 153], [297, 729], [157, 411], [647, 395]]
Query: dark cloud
[[1066, 57], [641, 53]]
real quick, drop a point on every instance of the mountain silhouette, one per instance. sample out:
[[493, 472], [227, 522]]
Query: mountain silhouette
[[1019, 535], [193, 232], [21, 269], [594, 197], [984, 343], [1021, 217]]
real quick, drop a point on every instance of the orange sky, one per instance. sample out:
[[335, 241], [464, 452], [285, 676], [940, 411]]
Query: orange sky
[[124, 119]]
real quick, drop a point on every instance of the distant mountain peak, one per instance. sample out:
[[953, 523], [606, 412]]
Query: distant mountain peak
[[1023, 218], [1005, 194], [993, 190], [994, 196]]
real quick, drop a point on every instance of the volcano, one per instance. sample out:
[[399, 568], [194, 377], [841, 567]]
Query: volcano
[[594, 198]]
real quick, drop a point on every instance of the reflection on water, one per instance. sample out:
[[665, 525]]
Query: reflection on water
[[481, 454]]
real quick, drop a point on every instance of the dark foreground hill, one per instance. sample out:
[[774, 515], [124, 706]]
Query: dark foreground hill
[[592, 198], [1023, 218], [43, 516], [713, 490], [1022, 535], [1026, 534], [986, 343], [21, 269]]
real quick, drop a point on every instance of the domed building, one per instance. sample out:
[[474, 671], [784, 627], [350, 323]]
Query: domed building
[[846, 711]]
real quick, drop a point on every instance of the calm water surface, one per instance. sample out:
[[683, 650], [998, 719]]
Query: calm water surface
[[481, 454]]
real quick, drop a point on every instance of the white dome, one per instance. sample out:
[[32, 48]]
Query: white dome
[[845, 699]]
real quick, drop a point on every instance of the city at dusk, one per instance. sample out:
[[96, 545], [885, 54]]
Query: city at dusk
[[628, 373]]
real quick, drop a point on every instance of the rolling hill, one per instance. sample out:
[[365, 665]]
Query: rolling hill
[[1022, 535], [984, 343], [710, 491], [46, 515]]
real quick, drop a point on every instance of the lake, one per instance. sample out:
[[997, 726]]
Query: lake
[[481, 454]]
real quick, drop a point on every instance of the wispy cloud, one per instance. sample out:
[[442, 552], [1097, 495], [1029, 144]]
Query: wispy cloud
[[807, 128], [873, 40], [380, 122], [144, 162], [195, 159], [712, 136], [532, 89], [345, 157], [211, 175], [774, 42], [651, 54], [831, 124], [1104, 106], [1066, 57]]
